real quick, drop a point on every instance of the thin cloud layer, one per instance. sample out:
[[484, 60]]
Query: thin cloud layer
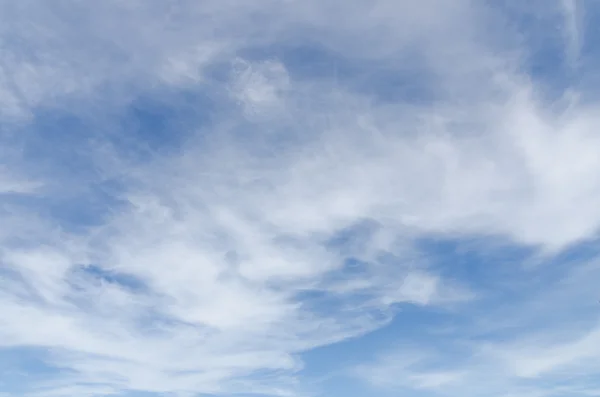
[[197, 196]]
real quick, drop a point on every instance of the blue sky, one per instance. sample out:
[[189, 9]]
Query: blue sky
[[299, 198]]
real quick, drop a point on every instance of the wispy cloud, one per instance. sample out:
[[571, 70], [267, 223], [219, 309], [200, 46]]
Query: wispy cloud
[[198, 193]]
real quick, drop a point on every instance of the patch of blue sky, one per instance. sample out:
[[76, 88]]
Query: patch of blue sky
[[111, 276], [498, 272], [354, 237], [549, 55], [503, 274], [22, 366], [412, 330], [481, 262], [558, 59], [75, 210], [60, 146], [91, 277], [587, 76], [160, 123]]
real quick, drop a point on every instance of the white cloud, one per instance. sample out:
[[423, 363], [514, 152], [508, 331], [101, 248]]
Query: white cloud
[[217, 266]]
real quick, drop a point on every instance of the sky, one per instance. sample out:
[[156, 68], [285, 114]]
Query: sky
[[299, 198]]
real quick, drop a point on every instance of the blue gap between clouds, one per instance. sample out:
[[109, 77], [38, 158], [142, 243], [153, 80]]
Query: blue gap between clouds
[[497, 264], [21, 366], [487, 265], [123, 280], [411, 323], [588, 71], [346, 243], [60, 146], [161, 122], [507, 277], [150, 320], [540, 35]]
